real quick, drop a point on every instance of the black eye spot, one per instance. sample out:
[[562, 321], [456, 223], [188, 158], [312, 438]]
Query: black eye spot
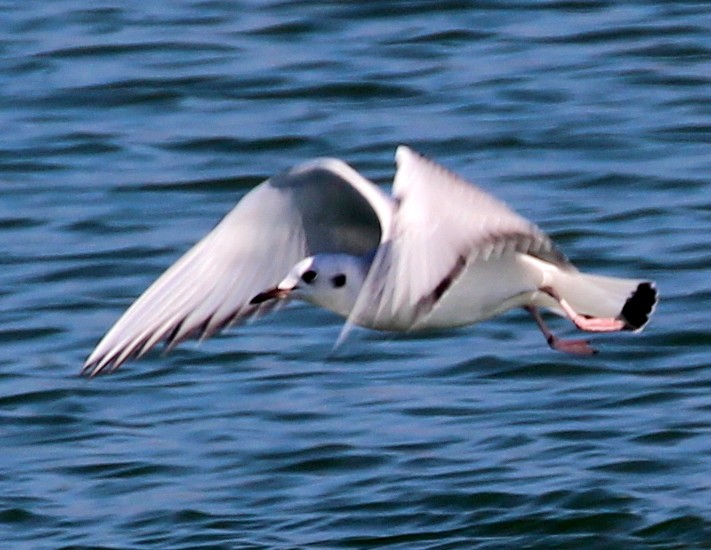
[[338, 280], [309, 276]]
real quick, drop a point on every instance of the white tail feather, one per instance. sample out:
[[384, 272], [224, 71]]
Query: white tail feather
[[605, 297], [594, 295]]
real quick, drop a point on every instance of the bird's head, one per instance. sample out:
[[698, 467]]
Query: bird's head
[[331, 281]]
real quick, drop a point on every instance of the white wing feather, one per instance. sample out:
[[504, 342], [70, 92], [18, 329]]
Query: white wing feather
[[323, 206], [441, 225]]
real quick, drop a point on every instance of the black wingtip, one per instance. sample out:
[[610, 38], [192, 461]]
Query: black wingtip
[[639, 306]]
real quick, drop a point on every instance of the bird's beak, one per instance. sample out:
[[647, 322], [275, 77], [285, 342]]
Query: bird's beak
[[271, 294]]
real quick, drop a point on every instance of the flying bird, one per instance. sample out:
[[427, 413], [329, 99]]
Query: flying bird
[[438, 252]]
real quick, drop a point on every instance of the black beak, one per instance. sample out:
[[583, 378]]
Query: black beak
[[271, 294]]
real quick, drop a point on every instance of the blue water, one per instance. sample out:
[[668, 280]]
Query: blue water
[[127, 129]]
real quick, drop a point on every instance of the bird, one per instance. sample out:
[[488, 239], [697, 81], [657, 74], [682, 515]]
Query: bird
[[437, 252]]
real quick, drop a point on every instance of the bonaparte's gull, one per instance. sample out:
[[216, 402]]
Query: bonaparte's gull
[[439, 252]]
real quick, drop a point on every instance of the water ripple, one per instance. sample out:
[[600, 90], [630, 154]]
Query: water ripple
[[130, 130]]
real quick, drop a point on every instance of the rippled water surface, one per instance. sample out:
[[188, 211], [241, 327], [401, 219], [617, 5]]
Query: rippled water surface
[[130, 128]]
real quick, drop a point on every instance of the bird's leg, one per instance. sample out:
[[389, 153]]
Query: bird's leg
[[577, 347], [584, 322]]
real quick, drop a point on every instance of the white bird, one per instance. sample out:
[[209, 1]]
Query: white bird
[[439, 252]]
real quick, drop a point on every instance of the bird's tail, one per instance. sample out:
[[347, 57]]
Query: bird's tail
[[629, 300]]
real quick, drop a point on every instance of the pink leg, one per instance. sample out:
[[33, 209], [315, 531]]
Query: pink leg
[[589, 324], [576, 347]]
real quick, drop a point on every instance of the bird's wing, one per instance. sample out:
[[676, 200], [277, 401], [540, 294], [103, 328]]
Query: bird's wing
[[322, 206], [441, 226]]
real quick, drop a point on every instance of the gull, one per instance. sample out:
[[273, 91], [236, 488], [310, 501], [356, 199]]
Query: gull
[[438, 252]]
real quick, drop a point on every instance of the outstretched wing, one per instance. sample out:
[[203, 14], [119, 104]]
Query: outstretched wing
[[322, 206], [441, 226]]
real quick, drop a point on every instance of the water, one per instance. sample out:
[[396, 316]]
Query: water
[[129, 129]]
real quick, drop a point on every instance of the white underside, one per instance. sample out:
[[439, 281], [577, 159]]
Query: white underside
[[485, 290], [488, 288]]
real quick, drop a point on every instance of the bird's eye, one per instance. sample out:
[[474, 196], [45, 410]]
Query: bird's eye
[[308, 276], [338, 280]]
